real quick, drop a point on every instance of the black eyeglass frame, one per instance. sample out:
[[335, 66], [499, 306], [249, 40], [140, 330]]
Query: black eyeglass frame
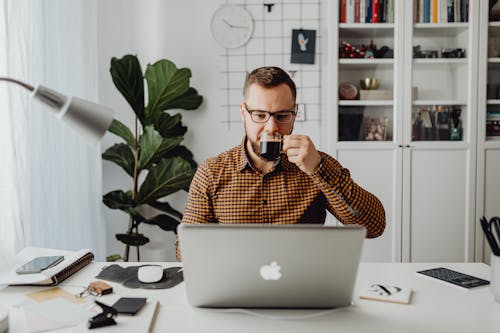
[[271, 114]]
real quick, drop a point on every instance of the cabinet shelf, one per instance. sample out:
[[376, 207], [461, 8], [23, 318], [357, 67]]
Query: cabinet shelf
[[493, 101], [492, 142], [366, 102], [495, 24], [494, 60], [371, 26], [456, 25], [440, 61], [420, 102], [366, 62]]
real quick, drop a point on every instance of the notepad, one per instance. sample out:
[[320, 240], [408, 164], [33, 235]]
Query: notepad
[[387, 293], [72, 263]]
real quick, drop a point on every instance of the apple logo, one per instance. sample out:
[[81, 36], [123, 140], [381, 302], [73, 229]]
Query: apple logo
[[271, 271]]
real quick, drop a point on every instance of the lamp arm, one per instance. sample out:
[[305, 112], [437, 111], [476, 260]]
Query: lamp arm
[[22, 84], [89, 119]]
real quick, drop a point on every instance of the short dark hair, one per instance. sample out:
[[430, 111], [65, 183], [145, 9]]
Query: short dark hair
[[270, 77]]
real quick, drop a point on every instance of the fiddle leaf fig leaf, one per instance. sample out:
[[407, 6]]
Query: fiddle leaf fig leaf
[[168, 125], [183, 152], [190, 100], [168, 144], [167, 177], [119, 129], [133, 239], [165, 207], [165, 83], [120, 200], [121, 155], [150, 142], [165, 222], [126, 73]]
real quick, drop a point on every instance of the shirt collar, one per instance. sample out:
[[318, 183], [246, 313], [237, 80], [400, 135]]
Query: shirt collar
[[244, 160]]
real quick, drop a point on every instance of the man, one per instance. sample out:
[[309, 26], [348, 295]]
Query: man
[[239, 186]]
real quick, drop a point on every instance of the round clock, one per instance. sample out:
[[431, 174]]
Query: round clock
[[232, 26]]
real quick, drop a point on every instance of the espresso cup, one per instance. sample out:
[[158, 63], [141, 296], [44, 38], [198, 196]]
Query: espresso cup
[[270, 146]]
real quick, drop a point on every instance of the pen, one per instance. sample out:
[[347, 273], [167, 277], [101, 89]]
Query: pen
[[489, 236]]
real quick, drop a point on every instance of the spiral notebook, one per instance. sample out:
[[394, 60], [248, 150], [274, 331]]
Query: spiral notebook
[[72, 263]]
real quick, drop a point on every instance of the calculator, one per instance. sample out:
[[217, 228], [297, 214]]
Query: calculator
[[457, 278]]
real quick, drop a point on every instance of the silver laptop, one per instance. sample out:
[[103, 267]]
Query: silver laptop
[[270, 266]]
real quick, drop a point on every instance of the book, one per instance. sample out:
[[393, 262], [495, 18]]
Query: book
[[451, 10], [421, 11], [386, 293], [381, 11], [434, 11], [362, 11], [368, 11], [349, 10], [343, 11], [72, 263], [389, 10], [375, 9], [443, 11], [416, 11], [464, 11], [427, 11], [357, 5]]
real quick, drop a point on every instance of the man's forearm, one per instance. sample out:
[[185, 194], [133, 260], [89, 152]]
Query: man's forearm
[[350, 203]]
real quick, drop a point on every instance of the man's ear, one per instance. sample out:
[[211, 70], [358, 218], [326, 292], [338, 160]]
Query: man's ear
[[242, 112]]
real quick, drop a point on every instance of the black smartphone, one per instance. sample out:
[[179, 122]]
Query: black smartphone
[[39, 264]]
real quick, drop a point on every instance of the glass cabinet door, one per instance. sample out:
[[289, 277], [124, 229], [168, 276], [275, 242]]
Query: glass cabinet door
[[366, 76], [493, 75], [440, 73]]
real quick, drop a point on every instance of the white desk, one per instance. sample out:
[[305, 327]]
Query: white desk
[[435, 306]]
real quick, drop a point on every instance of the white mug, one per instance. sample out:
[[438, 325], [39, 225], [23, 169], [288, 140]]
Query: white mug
[[495, 276]]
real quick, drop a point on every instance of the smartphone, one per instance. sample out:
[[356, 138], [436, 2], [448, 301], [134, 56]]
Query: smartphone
[[39, 264]]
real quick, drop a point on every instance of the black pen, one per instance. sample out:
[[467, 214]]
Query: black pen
[[489, 236]]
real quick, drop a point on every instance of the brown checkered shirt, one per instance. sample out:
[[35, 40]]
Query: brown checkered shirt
[[227, 189]]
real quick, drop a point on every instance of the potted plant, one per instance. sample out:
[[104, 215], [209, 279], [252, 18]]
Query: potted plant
[[152, 155]]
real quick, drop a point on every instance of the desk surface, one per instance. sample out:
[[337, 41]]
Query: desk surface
[[435, 306]]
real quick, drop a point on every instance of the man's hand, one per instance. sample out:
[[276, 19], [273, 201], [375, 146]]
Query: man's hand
[[301, 152]]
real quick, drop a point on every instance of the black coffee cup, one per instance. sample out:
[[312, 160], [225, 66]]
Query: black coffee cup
[[270, 146]]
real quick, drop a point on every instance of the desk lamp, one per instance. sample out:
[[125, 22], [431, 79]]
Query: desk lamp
[[88, 119]]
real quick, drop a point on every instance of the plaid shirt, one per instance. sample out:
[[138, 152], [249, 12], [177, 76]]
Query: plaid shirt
[[227, 189]]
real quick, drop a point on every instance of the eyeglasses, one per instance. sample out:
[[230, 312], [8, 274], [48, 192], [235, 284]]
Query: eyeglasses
[[260, 116]]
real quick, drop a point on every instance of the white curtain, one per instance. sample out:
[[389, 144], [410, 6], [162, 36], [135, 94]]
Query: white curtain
[[57, 179]]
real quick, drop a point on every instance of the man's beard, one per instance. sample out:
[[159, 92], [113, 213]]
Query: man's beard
[[255, 147]]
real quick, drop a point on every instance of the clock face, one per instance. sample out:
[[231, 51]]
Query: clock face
[[232, 26]]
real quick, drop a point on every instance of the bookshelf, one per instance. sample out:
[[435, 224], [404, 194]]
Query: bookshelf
[[423, 167]]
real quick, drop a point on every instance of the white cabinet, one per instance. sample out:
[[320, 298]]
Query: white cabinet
[[424, 168], [488, 134]]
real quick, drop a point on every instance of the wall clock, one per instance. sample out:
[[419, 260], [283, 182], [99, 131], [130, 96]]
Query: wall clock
[[232, 26]]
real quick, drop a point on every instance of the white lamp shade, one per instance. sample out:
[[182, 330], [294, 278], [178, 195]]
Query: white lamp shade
[[89, 119]]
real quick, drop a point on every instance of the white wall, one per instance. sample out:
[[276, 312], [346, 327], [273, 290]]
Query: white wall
[[180, 31]]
